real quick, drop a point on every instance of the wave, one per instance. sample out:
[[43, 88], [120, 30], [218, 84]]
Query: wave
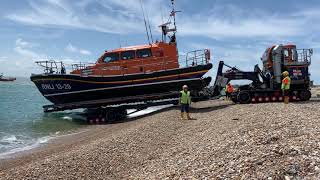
[[8, 139], [15, 145], [26, 146]]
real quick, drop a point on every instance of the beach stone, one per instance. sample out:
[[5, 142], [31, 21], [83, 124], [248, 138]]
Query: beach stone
[[263, 144], [293, 169]]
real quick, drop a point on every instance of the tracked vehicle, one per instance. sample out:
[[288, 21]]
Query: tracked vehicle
[[266, 83]]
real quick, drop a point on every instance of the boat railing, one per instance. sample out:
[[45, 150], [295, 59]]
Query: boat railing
[[304, 55], [301, 57], [80, 66], [52, 67], [197, 57]]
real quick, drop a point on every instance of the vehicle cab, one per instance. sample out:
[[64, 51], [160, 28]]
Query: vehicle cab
[[280, 58]]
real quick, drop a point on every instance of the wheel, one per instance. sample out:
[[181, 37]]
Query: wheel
[[244, 97], [120, 113], [305, 95], [233, 99]]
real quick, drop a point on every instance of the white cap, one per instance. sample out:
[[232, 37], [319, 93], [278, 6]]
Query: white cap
[[184, 86]]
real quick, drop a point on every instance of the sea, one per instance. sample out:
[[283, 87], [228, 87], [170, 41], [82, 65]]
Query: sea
[[24, 125]]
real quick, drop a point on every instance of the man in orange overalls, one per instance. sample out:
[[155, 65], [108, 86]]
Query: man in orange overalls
[[229, 91]]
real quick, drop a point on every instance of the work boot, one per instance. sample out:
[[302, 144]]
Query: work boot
[[182, 116], [286, 100], [188, 116]]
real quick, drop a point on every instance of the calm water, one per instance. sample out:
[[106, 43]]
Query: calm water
[[23, 124]]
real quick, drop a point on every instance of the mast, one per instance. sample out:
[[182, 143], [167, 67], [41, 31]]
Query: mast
[[149, 26], [165, 27], [145, 22], [173, 13]]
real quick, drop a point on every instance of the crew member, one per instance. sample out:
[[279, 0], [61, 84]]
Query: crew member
[[185, 101], [229, 91], [285, 86]]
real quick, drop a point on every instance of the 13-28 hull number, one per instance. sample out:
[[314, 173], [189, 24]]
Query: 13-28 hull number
[[56, 86]]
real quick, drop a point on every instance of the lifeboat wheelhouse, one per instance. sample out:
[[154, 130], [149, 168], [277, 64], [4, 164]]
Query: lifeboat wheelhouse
[[158, 56]]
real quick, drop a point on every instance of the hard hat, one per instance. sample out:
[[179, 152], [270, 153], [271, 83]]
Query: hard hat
[[184, 86], [285, 73]]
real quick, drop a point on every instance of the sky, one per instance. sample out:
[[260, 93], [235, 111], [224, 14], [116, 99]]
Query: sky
[[236, 31]]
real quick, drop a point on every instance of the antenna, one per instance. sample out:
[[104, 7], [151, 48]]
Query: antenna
[[145, 22], [173, 13], [149, 26], [161, 9], [165, 27], [119, 40], [126, 42]]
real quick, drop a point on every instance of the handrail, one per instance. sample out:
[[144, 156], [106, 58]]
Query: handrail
[[300, 57], [198, 56], [52, 67], [304, 55]]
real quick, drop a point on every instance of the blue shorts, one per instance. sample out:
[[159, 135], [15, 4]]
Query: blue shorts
[[185, 108], [286, 92]]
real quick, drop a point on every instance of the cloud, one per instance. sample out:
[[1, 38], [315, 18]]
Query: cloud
[[217, 29], [90, 15], [229, 21], [21, 43], [233, 54], [73, 49], [114, 16], [3, 58], [21, 63], [25, 52], [23, 48]]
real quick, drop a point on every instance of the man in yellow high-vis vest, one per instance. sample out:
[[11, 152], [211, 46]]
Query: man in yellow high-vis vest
[[185, 101], [285, 86]]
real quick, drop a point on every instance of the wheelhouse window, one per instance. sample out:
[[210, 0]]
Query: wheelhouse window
[[111, 57], [144, 53], [127, 55]]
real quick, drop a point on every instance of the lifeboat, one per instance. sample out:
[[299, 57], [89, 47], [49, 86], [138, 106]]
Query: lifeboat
[[127, 74], [6, 79]]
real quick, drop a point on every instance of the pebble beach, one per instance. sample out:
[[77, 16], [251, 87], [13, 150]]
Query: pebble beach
[[226, 141]]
